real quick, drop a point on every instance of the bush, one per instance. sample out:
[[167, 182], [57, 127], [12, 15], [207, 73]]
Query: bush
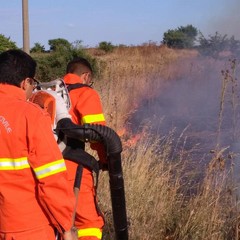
[[57, 43], [38, 48], [106, 46], [217, 43], [182, 37], [6, 43]]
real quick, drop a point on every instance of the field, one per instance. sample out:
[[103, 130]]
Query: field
[[177, 115]]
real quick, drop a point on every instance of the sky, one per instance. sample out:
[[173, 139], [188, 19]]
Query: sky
[[128, 22]]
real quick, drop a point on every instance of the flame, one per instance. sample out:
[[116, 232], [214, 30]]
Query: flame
[[121, 132], [131, 142], [129, 139]]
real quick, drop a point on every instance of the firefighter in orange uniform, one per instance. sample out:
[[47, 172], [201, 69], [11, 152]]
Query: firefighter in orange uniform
[[85, 108], [35, 198]]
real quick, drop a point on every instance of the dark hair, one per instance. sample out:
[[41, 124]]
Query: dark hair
[[15, 66], [78, 66]]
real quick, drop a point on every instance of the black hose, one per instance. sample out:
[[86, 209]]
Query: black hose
[[91, 133], [118, 196], [113, 146]]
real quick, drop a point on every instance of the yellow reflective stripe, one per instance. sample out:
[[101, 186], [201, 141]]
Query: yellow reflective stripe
[[50, 169], [14, 163], [93, 118], [90, 232]]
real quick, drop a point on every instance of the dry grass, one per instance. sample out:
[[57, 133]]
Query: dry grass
[[158, 206], [159, 201]]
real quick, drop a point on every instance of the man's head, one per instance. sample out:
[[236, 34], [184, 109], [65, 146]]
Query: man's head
[[17, 68], [81, 67]]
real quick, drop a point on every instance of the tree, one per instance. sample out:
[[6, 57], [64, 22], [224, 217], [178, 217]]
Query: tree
[[6, 43], [182, 37], [217, 43], [57, 43], [38, 48], [106, 46]]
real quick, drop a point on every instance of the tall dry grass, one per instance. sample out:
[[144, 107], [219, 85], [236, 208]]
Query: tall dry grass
[[162, 201], [158, 203]]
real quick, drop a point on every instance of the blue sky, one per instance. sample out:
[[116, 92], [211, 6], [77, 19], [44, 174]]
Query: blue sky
[[130, 22]]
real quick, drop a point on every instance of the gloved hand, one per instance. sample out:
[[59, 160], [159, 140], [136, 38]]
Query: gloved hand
[[61, 108]]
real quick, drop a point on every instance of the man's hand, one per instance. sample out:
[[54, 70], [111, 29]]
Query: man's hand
[[70, 235]]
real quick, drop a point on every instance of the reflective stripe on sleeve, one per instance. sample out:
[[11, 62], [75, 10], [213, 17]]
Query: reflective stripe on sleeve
[[93, 118], [50, 169], [90, 232], [14, 163]]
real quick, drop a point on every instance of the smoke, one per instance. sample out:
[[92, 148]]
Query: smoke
[[227, 22], [192, 104]]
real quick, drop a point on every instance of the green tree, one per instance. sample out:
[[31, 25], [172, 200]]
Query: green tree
[[6, 43], [106, 46], [58, 43], [38, 48], [182, 37]]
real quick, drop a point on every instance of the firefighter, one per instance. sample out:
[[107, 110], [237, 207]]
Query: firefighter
[[85, 107], [35, 198]]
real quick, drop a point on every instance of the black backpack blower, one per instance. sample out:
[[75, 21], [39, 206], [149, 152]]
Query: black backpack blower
[[113, 147]]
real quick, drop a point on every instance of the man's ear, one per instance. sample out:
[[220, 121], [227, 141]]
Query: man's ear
[[84, 78], [23, 84]]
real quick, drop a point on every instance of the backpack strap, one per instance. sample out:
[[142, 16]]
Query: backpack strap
[[71, 87]]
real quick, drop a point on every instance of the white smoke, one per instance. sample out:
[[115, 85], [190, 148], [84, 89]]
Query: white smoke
[[227, 21]]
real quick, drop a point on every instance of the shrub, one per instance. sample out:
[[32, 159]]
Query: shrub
[[217, 43], [38, 48], [106, 46], [182, 37], [6, 43]]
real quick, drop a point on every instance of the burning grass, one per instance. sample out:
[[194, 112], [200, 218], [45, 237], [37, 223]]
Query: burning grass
[[172, 196]]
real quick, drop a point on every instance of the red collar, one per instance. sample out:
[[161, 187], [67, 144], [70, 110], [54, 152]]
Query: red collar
[[71, 78], [12, 91]]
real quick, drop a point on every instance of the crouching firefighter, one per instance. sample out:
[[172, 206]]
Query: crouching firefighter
[[81, 165]]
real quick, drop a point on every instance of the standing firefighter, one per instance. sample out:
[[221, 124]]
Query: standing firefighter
[[57, 104], [35, 197], [85, 108]]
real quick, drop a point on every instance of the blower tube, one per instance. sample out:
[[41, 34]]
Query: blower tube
[[113, 146]]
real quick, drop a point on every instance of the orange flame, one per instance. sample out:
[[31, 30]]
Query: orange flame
[[129, 139]]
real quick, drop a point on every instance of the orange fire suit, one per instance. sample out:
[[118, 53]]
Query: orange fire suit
[[34, 190], [85, 108]]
